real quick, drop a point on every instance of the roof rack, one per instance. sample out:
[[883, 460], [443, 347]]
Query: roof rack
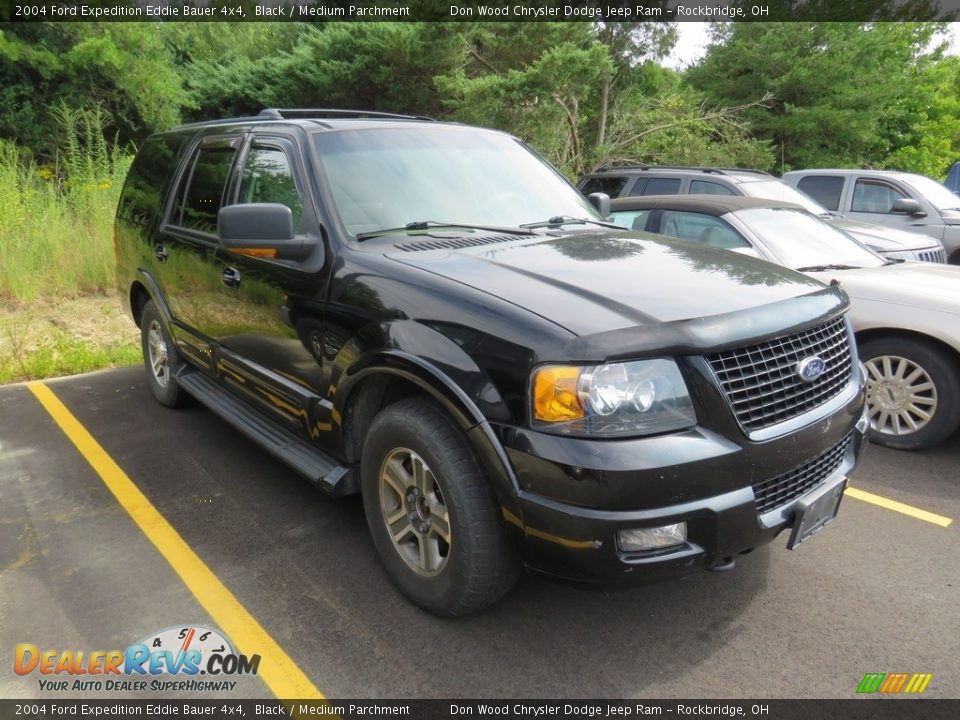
[[308, 113], [708, 170]]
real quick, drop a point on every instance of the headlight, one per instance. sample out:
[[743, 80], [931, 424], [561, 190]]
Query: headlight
[[632, 398]]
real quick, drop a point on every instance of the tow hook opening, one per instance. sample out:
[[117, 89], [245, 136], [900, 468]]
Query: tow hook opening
[[726, 565]]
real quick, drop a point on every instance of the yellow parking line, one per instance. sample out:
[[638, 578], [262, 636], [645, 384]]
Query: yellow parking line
[[277, 669], [899, 507]]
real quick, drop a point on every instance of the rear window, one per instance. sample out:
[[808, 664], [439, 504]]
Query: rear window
[[611, 185], [825, 189], [149, 178]]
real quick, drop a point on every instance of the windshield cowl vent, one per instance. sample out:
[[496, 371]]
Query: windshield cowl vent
[[454, 243]]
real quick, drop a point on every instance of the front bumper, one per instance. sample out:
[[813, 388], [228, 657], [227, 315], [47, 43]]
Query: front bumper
[[709, 483]]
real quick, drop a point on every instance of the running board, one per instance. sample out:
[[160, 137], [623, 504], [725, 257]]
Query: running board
[[321, 469]]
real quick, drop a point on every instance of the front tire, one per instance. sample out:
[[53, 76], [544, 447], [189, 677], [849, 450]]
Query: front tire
[[433, 516], [160, 358], [913, 392]]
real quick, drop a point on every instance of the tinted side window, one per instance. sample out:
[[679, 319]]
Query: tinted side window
[[825, 189], [612, 186], [660, 186], [874, 196], [704, 229], [150, 177], [267, 178], [705, 187], [207, 184]]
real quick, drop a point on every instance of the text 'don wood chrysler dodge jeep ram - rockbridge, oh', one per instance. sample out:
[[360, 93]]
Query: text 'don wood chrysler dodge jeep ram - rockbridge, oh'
[[429, 314]]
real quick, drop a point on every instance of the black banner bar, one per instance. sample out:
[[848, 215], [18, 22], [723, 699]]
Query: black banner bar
[[863, 708], [475, 10]]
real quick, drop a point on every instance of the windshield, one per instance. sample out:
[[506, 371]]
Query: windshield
[[934, 192], [389, 177], [800, 239], [779, 190]]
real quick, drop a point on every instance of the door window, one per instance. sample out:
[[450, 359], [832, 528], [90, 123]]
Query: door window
[[657, 186], [206, 185], [705, 187], [825, 189], [704, 229], [611, 185], [874, 196], [631, 219], [267, 178]]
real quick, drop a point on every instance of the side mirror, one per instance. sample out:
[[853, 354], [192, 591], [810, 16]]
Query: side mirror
[[261, 230], [907, 206], [600, 202]]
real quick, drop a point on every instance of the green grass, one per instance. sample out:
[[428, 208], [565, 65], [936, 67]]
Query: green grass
[[56, 244], [56, 220], [64, 355]]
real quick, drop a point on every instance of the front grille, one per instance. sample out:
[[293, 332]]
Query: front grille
[[932, 256], [771, 494], [763, 385]]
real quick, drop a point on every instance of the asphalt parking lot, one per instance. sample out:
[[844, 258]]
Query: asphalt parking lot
[[294, 574]]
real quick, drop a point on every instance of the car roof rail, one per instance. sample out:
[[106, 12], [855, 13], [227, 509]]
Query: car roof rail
[[310, 113], [696, 168]]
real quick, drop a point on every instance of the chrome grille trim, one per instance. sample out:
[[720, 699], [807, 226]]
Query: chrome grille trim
[[761, 383], [932, 256], [786, 487]]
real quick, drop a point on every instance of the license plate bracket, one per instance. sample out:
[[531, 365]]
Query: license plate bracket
[[815, 510]]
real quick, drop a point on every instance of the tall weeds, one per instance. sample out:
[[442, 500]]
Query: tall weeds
[[56, 219]]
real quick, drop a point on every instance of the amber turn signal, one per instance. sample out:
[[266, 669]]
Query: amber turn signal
[[555, 394]]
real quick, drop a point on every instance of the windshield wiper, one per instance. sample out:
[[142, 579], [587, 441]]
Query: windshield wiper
[[821, 268], [558, 220], [430, 224], [893, 261]]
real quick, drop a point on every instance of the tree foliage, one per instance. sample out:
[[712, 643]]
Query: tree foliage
[[843, 94]]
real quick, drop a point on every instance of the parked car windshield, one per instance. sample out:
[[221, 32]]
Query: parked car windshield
[[779, 190], [802, 240], [389, 177], [934, 192]]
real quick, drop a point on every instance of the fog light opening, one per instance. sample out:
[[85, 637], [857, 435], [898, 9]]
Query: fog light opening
[[655, 538]]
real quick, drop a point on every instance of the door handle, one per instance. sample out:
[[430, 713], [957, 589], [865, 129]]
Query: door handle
[[230, 277], [161, 252]]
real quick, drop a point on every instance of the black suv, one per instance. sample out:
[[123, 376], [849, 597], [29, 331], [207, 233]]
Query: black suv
[[430, 315]]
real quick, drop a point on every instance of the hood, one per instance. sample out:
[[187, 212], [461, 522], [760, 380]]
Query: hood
[[596, 282], [919, 285], [883, 239]]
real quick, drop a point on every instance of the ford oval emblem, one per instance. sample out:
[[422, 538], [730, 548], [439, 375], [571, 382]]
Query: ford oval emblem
[[809, 369]]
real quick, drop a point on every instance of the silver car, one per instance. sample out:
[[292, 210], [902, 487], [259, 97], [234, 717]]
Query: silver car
[[906, 315]]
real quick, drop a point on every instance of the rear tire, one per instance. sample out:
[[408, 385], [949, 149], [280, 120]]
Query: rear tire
[[160, 358], [433, 516], [913, 392]]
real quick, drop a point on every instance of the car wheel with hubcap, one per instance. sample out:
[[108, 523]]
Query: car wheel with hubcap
[[913, 392], [160, 357], [432, 513]]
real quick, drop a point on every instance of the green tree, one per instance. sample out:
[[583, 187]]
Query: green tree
[[842, 94]]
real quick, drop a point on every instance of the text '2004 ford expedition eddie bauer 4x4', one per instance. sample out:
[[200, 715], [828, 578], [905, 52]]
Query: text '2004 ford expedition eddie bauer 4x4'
[[431, 315]]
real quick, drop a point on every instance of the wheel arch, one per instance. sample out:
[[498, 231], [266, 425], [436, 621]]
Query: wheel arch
[[910, 335], [393, 375]]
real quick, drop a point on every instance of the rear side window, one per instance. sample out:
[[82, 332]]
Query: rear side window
[[611, 185], [205, 187], [705, 187], [657, 186], [825, 189], [874, 196], [150, 177]]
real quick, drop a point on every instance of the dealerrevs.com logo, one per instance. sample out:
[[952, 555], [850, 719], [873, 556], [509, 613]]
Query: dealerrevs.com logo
[[182, 652]]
